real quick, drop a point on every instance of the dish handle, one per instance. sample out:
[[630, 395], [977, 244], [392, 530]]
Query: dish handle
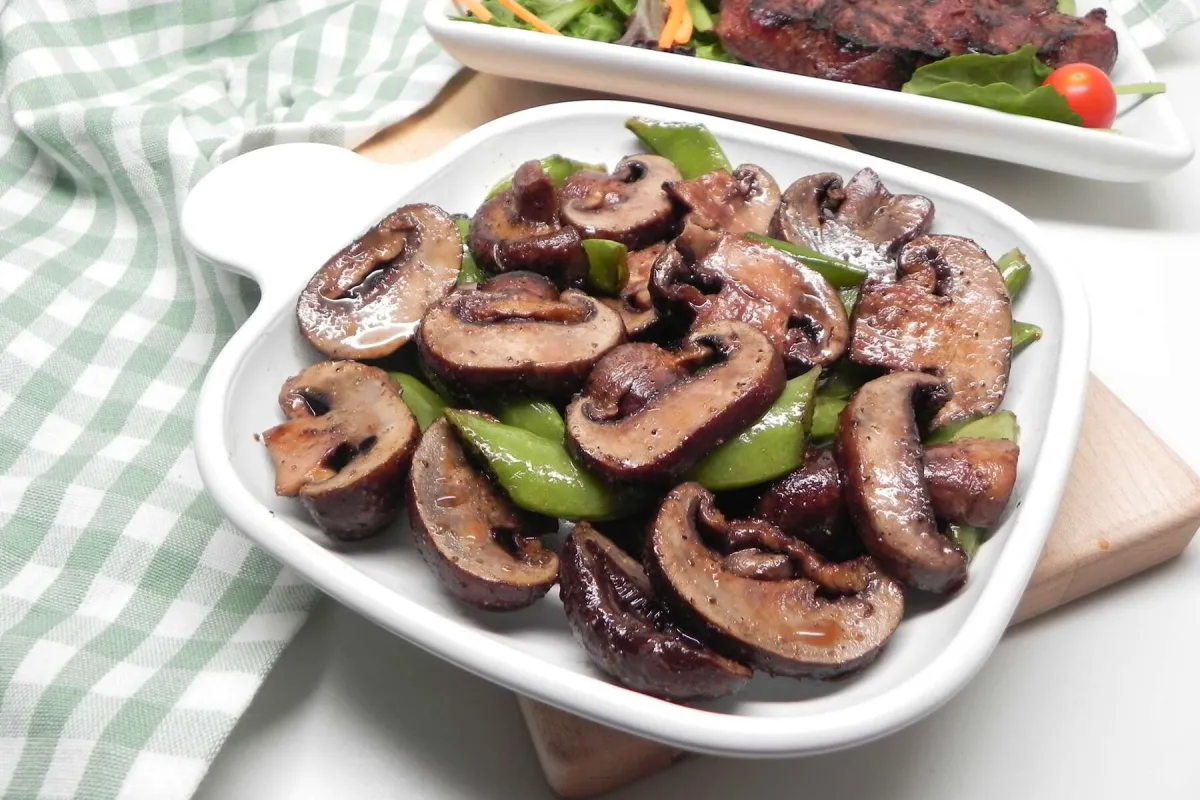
[[269, 215]]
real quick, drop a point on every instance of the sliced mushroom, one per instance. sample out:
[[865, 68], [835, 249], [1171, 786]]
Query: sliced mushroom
[[628, 633], [367, 300], [949, 315], [629, 206], [649, 422], [862, 222], [742, 201], [482, 548], [731, 277], [517, 333], [345, 448], [878, 447], [635, 304], [970, 480], [832, 620], [519, 230]]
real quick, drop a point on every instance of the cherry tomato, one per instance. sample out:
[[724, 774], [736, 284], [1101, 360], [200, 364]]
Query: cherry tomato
[[1088, 92]]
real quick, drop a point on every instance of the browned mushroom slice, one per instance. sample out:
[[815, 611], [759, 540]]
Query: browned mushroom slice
[[483, 549], [833, 619], [735, 374], [630, 206], [732, 277], [628, 633], [878, 447], [950, 315], [862, 223], [970, 480], [519, 230], [742, 201], [517, 333], [367, 300], [635, 304], [345, 448]]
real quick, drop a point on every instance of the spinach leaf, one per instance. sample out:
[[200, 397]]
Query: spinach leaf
[[1011, 83]]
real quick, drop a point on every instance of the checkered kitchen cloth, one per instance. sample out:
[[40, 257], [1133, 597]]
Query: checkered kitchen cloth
[[135, 623]]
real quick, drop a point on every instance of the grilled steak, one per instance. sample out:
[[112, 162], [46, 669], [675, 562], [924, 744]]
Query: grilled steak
[[881, 42]]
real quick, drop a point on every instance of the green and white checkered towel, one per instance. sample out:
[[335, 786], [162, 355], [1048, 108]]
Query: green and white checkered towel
[[135, 624]]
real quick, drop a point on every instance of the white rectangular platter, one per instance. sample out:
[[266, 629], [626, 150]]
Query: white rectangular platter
[[277, 214], [1151, 142]]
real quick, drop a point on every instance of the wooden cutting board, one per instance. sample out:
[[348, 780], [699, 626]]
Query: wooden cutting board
[[1130, 502]]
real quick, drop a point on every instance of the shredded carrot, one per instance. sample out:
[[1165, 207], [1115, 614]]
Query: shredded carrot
[[525, 15], [674, 21], [684, 34], [477, 9]]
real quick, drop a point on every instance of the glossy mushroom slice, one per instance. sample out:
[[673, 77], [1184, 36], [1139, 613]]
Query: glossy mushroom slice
[[635, 305], [629, 206], [732, 277], [879, 450], [970, 482], [519, 230], [742, 201], [517, 333], [367, 300], [831, 619], [949, 315], [345, 448], [861, 222], [613, 613], [649, 415], [482, 548]]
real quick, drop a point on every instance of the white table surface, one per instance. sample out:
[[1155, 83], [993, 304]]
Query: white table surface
[[1097, 700]]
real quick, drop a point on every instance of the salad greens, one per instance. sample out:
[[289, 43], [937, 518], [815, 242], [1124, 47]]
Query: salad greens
[[1010, 83]]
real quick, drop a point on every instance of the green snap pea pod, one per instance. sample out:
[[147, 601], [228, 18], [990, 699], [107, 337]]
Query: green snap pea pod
[[826, 411], [424, 403], [1023, 335], [470, 271], [849, 298], [1015, 269], [538, 474], [831, 398], [1001, 425], [608, 266], [691, 148], [840, 274], [769, 448], [535, 416], [557, 167]]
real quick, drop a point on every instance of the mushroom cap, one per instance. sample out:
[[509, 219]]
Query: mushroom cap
[[468, 532], [878, 447], [366, 301], [518, 230], [517, 332], [862, 222], [785, 627], [629, 206], [676, 420], [808, 505], [728, 276], [345, 448], [949, 315], [971, 480], [635, 304], [742, 201], [613, 613]]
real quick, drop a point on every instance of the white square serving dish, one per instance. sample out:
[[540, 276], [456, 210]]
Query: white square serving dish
[[277, 214], [1152, 141]]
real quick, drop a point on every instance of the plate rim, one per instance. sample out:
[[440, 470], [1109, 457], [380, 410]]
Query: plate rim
[[593, 697]]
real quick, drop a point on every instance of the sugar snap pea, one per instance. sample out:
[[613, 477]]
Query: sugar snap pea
[[608, 266], [691, 148], [470, 271], [1023, 335], [535, 416], [1015, 269], [840, 274], [557, 167], [424, 403], [769, 448]]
